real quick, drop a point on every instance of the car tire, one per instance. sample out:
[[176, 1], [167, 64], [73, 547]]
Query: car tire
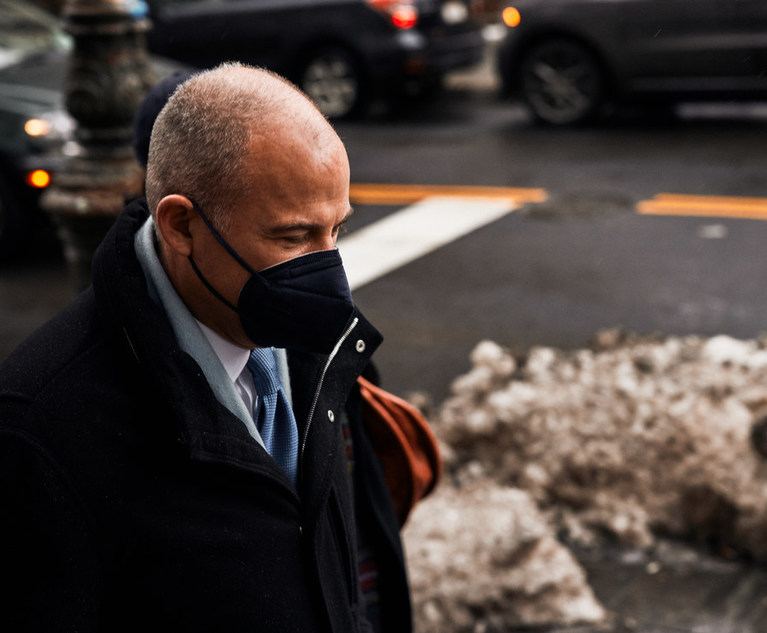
[[562, 82], [331, 77], [14, 223]]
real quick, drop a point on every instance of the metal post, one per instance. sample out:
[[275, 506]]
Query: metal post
[[108, 76]]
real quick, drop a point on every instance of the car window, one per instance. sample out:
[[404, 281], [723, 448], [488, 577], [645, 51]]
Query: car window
[[27, 32]]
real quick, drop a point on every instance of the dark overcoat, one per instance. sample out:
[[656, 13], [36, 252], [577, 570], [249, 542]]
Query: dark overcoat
[[132, 500]]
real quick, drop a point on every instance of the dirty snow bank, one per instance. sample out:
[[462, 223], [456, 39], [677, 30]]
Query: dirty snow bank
[[633, 438], [482, 558]]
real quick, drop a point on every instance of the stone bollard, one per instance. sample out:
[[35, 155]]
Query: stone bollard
[[108, 76]]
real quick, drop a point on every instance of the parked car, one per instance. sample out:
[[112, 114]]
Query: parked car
[[567, 58], [35, 129], [33, 54], [342, 53]]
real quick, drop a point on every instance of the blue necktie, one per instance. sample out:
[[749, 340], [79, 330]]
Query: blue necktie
[[274, 418]]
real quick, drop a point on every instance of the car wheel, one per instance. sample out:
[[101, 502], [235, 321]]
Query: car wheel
[[332, 79], [562, 82], [13, 223]]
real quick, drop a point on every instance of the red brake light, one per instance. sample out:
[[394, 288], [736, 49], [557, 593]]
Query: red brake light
[[404, 17], [402, 13]]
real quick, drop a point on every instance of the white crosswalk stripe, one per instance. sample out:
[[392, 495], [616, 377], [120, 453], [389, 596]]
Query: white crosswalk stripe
[[414, 231]]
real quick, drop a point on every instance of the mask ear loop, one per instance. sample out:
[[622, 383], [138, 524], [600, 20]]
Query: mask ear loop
[[227, 248], [208, 285]]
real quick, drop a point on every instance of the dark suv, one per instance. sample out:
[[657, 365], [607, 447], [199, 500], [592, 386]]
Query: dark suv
[[340, 52]]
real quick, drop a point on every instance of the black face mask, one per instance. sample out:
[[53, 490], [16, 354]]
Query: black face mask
[[302, 303]]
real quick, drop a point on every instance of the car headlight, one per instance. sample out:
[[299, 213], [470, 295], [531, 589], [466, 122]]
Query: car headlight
[[454, 12], [511, 16], [51, 126]]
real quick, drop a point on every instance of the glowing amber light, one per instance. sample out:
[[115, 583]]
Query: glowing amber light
[[404, 17], [511, 17], [37, 127], [38, 179]]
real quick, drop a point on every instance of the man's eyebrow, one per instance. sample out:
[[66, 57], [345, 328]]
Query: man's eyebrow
[[307, 226]]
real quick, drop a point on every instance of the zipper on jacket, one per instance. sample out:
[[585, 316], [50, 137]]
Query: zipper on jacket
[[330, 359]]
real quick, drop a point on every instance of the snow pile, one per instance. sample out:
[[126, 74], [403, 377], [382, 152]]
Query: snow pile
[[634, 438], [482, 558]]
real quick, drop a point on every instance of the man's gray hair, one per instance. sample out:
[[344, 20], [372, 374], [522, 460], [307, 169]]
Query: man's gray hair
[[200, 138]]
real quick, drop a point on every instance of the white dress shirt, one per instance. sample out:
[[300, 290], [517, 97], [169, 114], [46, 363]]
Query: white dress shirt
[[234, 359]]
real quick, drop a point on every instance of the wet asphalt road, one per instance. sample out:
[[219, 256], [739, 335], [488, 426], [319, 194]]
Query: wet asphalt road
[[555, 273], [675, 589]]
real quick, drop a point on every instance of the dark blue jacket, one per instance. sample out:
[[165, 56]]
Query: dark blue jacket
[[133, 500]]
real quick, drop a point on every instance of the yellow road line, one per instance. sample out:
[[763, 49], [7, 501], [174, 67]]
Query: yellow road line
[[366, 193], [707, 206]]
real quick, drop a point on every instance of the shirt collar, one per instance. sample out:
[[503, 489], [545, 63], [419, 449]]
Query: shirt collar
[[232, 357]]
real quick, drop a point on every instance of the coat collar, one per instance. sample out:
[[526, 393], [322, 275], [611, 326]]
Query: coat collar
[[205, 426], [188, 331]]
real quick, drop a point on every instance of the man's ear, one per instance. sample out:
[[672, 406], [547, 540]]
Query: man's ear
[[174, 212]]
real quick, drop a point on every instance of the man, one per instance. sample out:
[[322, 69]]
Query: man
[[181, 449], [149, 108]]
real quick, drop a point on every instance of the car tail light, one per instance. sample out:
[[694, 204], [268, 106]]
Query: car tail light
[[401, 13], [511, 16], [39, 179]]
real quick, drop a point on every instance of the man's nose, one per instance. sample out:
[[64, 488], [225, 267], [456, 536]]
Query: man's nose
[[328, 242]]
